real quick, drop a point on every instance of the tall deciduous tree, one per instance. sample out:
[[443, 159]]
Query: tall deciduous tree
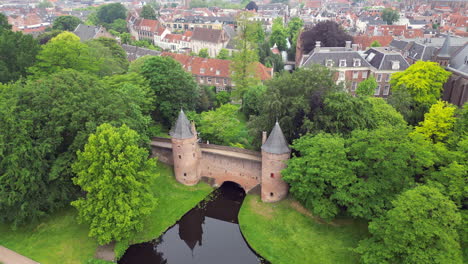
[[438, 122], [116, 175], [421, 228], [243, 66], [329, 33], [279, 34], [367, 87], [173, 87], [109, 13], [148, 12], [4, 25], [68, 23], [17, 52], [390, 16]]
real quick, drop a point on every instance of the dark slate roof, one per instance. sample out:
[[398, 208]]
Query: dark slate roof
[[322, 56], [134, 52], [182, 128], [276, 142], [383, 59], [86, 32], [445, 50], [459, 60]]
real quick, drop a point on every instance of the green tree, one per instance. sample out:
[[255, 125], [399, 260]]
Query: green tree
[[119, 25], [4, 23], [148, 12], [223, 54], [112, 57], [203, 53], [375, 43], [251, 101], [367, 87], [44, 122], [390, 16], [279, 34], [68, 23], [109, 13], [421, 228], [222, 97], [45, 4], [244, 62], [295, 25], [173, 87], [268, 58], [137, 65], [438, 123], [47, 36], [17, 53], [65, 51], [116, 174]]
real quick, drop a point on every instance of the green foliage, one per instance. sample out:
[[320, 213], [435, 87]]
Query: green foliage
[[279, 34], [207, 98], [68, 23], [375, 43], [222, 97], [47, 36], [45, 4], [119, 25], [109, 54], [390, 16], [203, 53], [251, 101], [438, 122], [268, 58], [295, 25], [148, 12], [223, 54], [221, 126], [244, 62], [17, 53], [173, 87], [4, 23], [137, 65], [421, 228], [293, 99], [65, 51], [362, 174], [367, 87], [217, 3], [115, 174], [423, 80], [98, 261], [109, 13], [44, 122]]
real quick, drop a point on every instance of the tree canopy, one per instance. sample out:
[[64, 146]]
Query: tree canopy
[[109, 13], [420, 228], [390, 16], [438, 122], [68, 23], [148, 12], [329, 33], [279, 34]]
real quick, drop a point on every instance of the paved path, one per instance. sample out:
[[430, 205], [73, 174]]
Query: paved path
[[10, 257]]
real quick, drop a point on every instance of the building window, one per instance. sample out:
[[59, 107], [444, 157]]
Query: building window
[[353, 86], [329, 63], [225, 81], [271, 194], [185, 174], [386, 90], [341, 76], [189, 68], [379, 77], [377, 90], [202, 70], [342, 63], [217, 72], [364, 75], [201, 80], [357, 63], [217, 80], [272, 175], [355, 74], [208, 79], [387, 78]]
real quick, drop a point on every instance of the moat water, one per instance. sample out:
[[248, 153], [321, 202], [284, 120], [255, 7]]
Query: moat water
[[209, 233]]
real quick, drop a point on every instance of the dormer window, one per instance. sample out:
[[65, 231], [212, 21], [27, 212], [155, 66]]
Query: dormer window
[[395, 65], [329, 63], [189, 68], [342, 63], [217, 72], [202, 70], [357, 63]]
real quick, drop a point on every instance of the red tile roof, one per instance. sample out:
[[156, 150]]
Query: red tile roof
[[365, 41]]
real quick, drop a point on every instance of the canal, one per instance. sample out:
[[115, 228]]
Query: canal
[[208, 234]]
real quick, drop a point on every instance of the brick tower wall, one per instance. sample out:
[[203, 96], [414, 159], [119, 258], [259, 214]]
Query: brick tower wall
[[273, 187], [186, 157]]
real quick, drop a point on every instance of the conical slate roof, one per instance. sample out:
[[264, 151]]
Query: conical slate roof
[[276, 142], [445, 50], [182, 128]]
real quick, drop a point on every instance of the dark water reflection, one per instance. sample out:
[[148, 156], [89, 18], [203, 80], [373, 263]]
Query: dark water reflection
[[209, 233]]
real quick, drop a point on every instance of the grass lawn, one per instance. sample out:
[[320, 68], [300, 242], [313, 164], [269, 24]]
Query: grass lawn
[[175, 199], [285, 232], [57, 239]]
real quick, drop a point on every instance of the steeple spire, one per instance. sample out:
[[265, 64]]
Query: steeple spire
[[444, 52], [182, 128], [276, 142]]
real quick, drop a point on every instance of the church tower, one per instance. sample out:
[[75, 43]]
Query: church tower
[[443, 56], [185, 151], [275, 153]]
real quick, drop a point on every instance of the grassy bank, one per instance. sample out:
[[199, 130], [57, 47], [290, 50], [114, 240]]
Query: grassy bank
[[60, 239], [285, 232], [57, 239], [174, 201]]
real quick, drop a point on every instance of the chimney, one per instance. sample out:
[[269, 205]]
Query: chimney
[[264, 135], [355, 47], [348, 44], [317, 46]]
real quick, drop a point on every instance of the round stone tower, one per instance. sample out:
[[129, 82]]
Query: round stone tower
[[185, 151], [275, 153]]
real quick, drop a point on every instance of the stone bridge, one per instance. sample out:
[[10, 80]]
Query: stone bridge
[[252, 170]]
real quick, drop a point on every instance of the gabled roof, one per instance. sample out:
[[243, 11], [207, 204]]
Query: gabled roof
[[208, 35], [323, 55], [86, 32], [445, 50], [384, 59], [276, 142], [182, 128]]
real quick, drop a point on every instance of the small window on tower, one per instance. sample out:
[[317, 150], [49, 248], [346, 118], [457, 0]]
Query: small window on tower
[[272, 175], [180, 157], [271, 194], [185, 174]]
